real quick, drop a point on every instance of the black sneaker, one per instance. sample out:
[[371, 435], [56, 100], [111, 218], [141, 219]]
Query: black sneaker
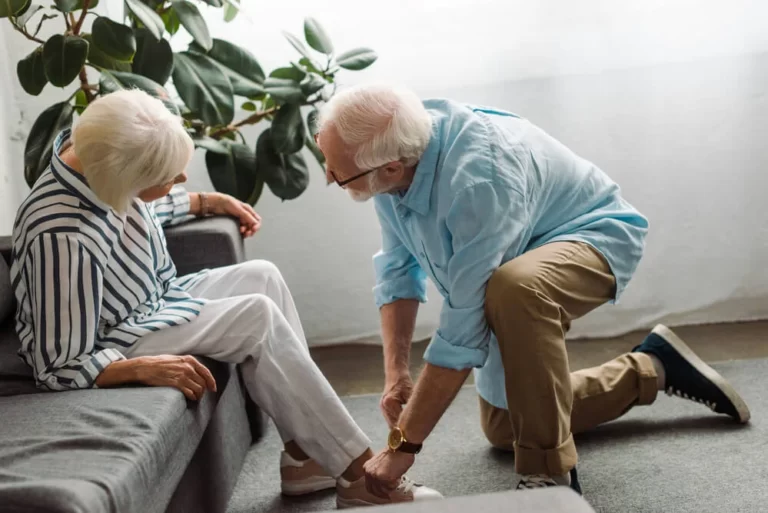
[[531, 482], [687, 376]]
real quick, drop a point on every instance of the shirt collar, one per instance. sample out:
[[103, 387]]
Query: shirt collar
[[73, 181], [419, 193]]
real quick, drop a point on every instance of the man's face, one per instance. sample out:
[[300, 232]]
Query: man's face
[[340, 166]]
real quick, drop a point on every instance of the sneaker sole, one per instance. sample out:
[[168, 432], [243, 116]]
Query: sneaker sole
[[306, 486], [711, 374]]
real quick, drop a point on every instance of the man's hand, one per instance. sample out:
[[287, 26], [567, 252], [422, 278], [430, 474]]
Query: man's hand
[[182, 372], [396, 394], [226, 205], [383, 471]]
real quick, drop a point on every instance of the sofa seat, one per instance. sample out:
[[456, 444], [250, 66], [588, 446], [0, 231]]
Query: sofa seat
[[116, 450]]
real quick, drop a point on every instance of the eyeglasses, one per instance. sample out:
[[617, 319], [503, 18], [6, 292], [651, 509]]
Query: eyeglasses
[[349, 180]]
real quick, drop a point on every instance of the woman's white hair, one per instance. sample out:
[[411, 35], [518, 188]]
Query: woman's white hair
[[128, 141], [379, 124]]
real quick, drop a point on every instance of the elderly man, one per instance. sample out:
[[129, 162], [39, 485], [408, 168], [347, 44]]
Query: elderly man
[[100, 304], [520, 236]]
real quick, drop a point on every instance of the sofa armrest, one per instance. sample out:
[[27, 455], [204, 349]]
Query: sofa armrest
[[205, 243], [6, 245]]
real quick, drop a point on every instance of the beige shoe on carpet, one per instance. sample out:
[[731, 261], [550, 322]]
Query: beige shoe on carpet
[[353, 495], [303, 477]]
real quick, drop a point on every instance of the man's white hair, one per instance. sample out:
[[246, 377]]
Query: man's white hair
[[128, 141], [379, 124]]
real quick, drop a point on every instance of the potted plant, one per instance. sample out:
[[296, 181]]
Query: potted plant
[[220, 87]]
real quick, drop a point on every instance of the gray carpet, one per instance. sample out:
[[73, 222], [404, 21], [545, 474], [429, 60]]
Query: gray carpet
[[673, 456]]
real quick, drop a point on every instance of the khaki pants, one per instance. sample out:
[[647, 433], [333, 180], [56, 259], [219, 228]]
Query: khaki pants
[[530, 303]]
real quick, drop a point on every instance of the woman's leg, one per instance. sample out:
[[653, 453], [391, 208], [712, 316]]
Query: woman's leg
[[252, 330]]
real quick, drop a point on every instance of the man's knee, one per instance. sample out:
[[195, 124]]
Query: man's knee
[[512, 286]]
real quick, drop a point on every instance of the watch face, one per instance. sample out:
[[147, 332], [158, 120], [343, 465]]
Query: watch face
[[395, 439]]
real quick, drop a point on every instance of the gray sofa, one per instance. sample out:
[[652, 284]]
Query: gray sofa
[[132, 449]]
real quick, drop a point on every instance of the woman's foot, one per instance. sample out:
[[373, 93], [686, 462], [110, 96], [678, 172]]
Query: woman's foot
[[353, 494], [303, 477]]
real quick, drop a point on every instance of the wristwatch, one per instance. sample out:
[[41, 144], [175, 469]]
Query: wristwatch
[[397, 442]]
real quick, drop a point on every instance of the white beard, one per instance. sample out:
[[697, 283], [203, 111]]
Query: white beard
[[360, 197]]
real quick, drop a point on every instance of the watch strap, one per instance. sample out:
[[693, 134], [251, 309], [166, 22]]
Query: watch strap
[[410, 448]]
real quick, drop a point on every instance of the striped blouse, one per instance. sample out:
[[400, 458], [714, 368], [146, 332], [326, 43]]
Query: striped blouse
[[89, 282]]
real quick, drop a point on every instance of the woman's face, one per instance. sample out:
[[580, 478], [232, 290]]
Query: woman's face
[[158, 191]]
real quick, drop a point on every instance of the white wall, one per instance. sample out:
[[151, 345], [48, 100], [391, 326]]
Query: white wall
[[669, 98]]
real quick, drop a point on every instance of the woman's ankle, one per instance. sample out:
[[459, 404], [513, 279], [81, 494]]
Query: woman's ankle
[[293, 449], [355, 471]]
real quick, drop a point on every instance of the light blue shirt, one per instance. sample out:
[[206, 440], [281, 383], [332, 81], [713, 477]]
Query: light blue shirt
[[489, 187]]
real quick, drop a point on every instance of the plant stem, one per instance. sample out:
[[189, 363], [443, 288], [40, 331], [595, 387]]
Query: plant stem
[[250, 120], [66, 21], [27, 34], [84, 83], [76, 30]]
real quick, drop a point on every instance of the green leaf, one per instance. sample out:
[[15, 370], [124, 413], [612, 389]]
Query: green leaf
[[74, 5], [67, 5], [39, 147], [286, 175], [288, 129], [31, 72], [211, 144], [29, 12], [297, 44], [316, 36], [193, 21], [114, 39], [291, 73], [204, 88], [102, 60], [171, 21], [315, 150], [154, 58], [239, 65], [357, 59], [235, 173], [312, 120], [81, 101], [230, 12], [215, 3], [63, 58], [310, 65], [284, 90], [249, 106], [147, 16], [312, 83], [111, 81]]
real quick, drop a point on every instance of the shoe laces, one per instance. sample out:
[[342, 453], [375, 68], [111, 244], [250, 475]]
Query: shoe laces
[[406, 484], [536, 481], [679, 393]]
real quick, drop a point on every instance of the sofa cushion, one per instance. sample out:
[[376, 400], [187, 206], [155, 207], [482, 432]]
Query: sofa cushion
[[101, 450], [6, 292], [15, 375]]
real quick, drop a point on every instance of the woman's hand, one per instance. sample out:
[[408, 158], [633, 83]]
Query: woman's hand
[[184, 373], [226, 205]]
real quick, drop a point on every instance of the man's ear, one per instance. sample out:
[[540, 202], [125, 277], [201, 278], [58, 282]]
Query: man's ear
[[395, 170]]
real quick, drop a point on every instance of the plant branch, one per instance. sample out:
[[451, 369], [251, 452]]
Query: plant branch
[[27, 34], [84, 84], [250, 120], [86, 4]]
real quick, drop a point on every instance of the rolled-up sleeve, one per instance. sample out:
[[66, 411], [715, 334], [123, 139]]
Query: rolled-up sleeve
[[64, 283], [486, 221], [173, 208], [398, 274]]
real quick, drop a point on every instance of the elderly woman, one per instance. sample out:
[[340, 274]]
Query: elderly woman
[[100, 304]]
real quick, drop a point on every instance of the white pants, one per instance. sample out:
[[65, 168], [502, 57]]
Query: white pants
[[251, 320]]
